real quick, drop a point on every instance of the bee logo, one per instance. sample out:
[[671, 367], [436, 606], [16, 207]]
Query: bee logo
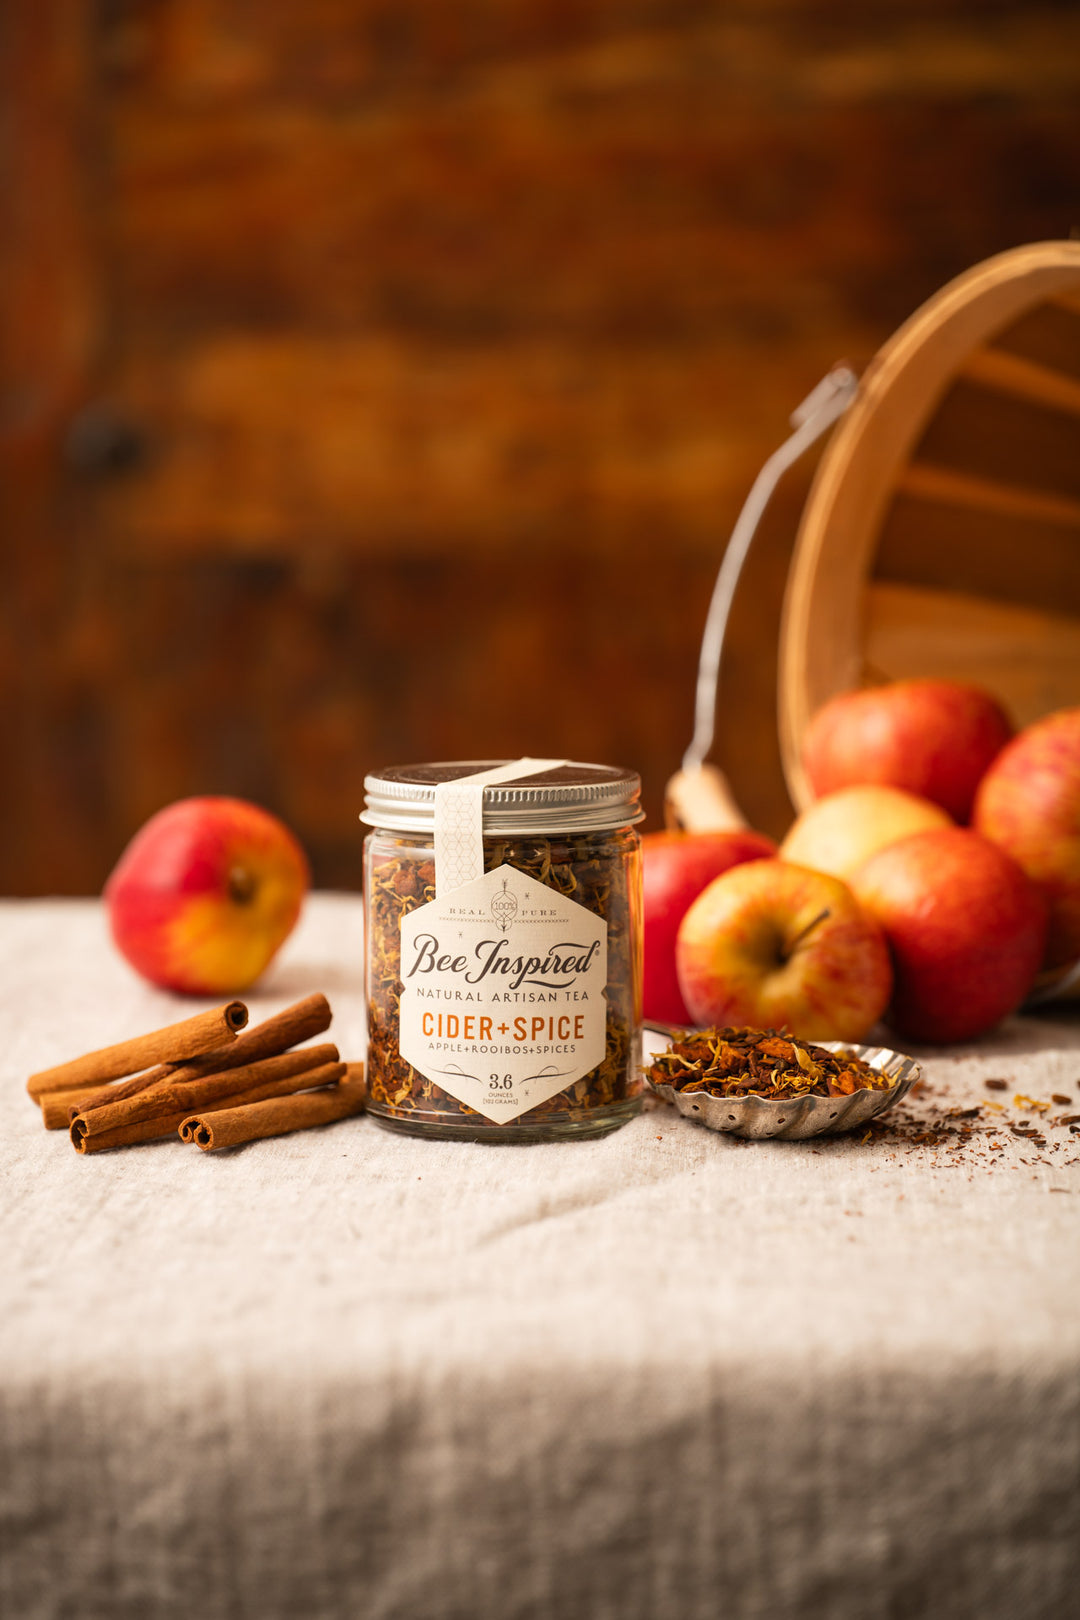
[[504, 907]]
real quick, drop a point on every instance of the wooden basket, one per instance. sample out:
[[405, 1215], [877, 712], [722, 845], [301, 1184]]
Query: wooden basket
[[941, 535]]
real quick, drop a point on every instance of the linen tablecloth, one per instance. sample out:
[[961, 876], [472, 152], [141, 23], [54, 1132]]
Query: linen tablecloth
[[659, 1375]]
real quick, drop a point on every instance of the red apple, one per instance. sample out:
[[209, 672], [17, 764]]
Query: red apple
[[933, 738], [839, 832], [205, 893], [771, 943], [966, 930], [1029, 804], [677, 866]]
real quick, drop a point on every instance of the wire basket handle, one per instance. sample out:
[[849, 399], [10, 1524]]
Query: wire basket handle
[[818, 411], [698, 796]]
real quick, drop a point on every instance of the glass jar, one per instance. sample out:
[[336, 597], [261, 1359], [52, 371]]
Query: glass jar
[[507, 1008]]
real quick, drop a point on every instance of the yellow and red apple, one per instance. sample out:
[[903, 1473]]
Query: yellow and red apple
[[1029, 805], [842, 830], [930, 737], [966, 929], [676, 867], [770, 943], [205, 894]]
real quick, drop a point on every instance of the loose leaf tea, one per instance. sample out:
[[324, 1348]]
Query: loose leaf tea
[[592, 869], [739, 1062]]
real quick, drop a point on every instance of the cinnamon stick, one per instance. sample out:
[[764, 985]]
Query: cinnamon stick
[[170, 1096], [176, 1042], [328, 1075], [167, 1125], [145, 1130], [57, 1108], [228, 1127], [305, 1018]]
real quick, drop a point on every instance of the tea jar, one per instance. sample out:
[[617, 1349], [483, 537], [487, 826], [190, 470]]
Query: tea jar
[[503, 943]]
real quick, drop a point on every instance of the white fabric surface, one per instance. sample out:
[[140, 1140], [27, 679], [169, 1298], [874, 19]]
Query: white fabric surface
[[659, 1376]]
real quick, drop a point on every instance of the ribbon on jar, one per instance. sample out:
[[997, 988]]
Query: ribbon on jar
[[459, 819]]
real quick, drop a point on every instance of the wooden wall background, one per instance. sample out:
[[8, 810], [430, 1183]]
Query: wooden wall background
[[382, 377]]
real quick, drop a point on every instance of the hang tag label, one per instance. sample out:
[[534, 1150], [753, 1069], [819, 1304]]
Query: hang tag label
[[459, 819]]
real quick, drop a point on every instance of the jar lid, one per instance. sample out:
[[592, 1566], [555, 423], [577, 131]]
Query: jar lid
[[570, 797]]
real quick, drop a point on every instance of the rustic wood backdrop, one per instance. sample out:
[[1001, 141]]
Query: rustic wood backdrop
[[382, 377]]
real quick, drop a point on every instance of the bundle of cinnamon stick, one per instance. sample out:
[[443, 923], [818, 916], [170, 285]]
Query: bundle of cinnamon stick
[[205, 1080]]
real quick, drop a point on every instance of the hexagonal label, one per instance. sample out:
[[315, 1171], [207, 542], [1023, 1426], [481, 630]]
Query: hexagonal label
[[502, 1001]]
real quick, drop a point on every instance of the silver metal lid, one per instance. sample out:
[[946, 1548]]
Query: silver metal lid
[[570, 798]]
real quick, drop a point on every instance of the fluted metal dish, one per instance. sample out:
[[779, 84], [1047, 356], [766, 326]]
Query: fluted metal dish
[[797, 1118]]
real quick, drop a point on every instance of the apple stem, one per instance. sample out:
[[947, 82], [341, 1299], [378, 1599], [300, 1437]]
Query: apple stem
[[241, 885], [809, 929]]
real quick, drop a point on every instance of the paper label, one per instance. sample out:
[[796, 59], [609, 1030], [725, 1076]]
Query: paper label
[[502, 1001]]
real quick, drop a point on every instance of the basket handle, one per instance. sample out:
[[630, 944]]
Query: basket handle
[[698, 785]]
